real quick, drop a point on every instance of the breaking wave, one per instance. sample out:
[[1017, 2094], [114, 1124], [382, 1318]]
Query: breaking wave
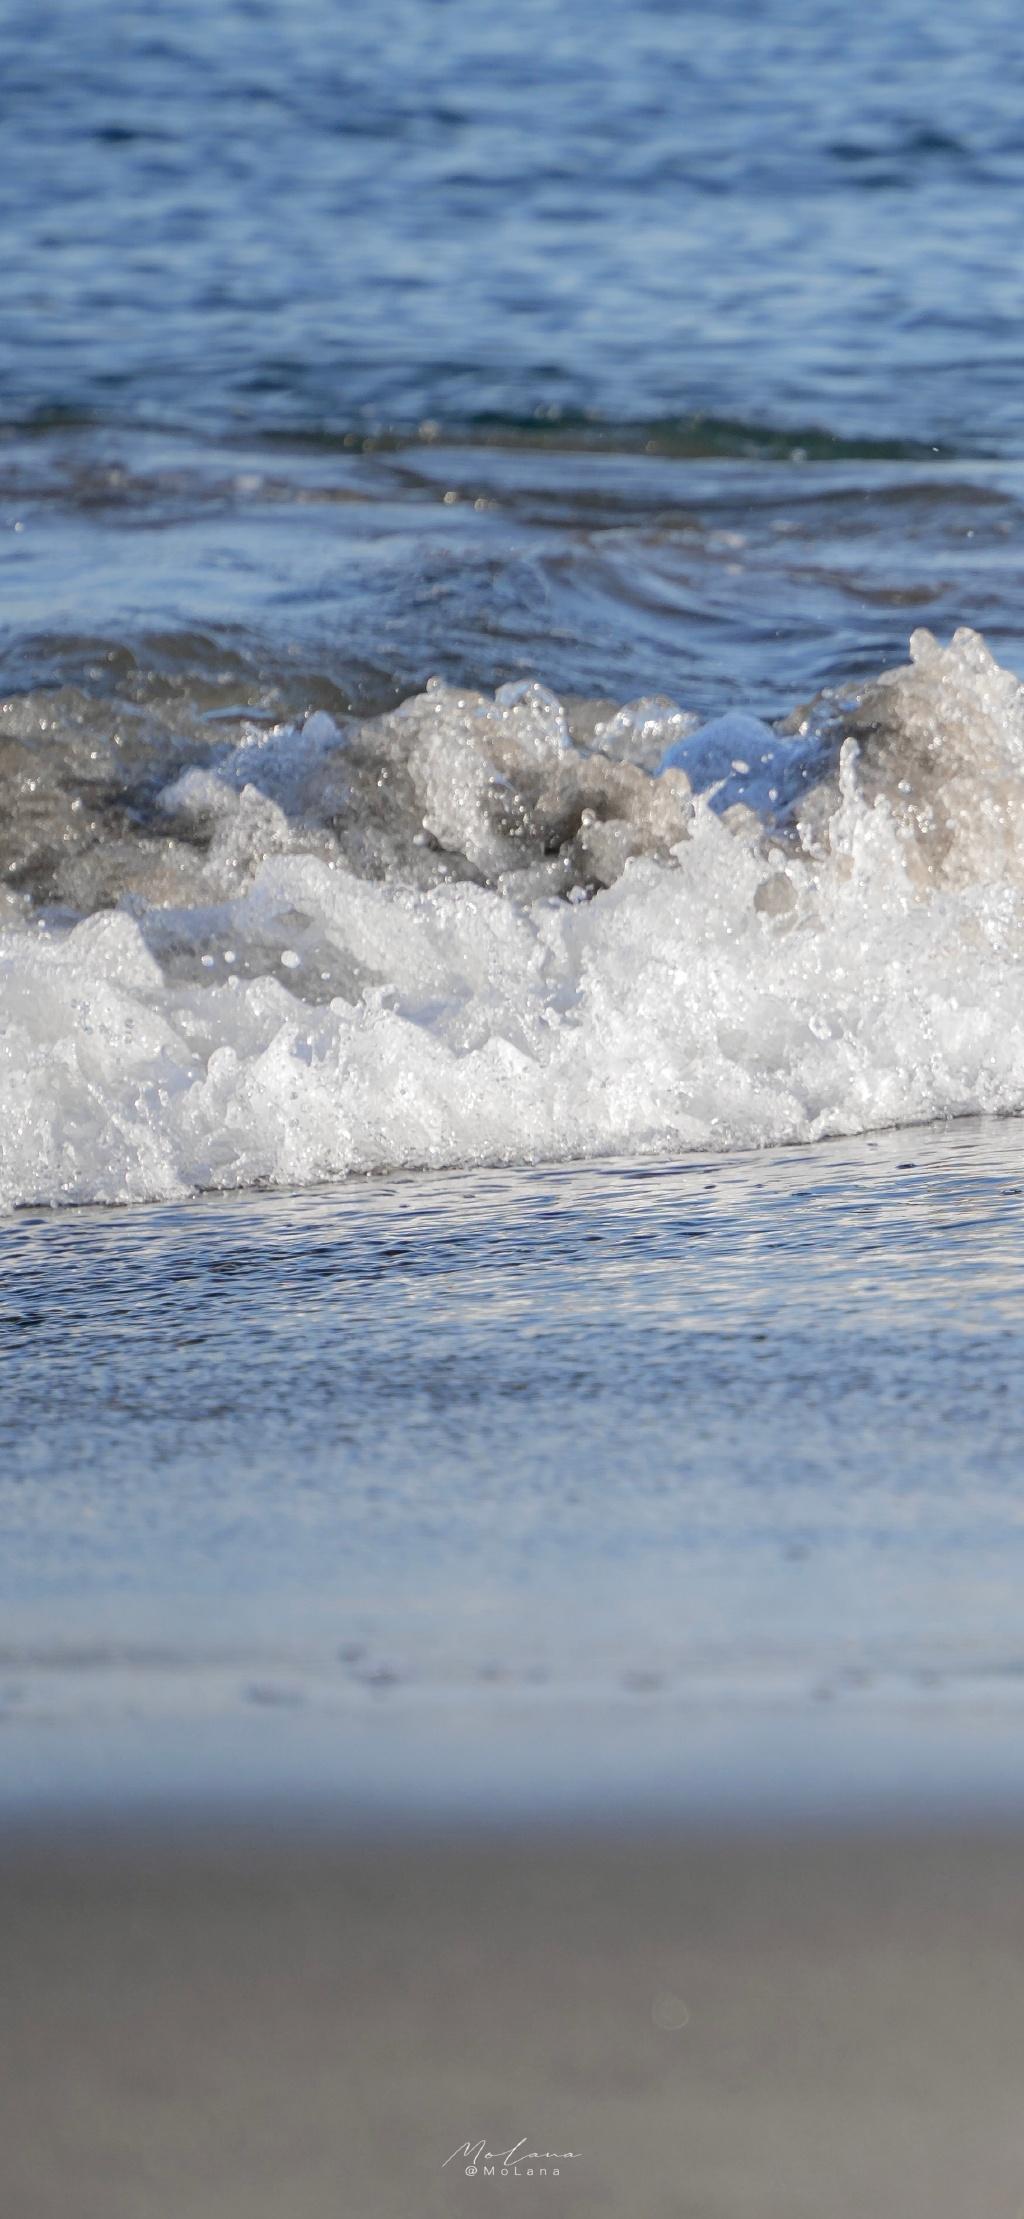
[[502, 929]]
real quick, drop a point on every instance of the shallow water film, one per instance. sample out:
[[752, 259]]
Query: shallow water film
[[640, 1484]]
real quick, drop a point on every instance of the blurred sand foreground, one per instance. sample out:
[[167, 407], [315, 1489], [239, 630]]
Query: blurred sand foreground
[[235, 2027]]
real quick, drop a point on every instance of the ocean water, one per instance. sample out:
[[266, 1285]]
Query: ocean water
[[512, 914]]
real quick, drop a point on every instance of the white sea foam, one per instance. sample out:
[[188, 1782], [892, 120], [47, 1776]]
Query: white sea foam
[[848, 954]]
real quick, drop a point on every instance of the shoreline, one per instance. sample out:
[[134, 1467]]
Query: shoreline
[[413, 1768]]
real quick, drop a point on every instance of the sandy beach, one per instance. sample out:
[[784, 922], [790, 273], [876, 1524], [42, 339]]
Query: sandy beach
[[239, 2025]]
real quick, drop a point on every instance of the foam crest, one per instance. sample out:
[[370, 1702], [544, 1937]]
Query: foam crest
[[458, 785], [847, 956]]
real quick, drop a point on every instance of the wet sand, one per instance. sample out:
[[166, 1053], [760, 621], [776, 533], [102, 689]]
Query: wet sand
[[251, 2025]]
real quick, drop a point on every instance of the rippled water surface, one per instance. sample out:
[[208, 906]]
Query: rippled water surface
[[305, 217], [646, 349]]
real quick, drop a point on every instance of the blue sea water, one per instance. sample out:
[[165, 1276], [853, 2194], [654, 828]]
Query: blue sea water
[[642, 350], [242, 242], [305, 218]]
